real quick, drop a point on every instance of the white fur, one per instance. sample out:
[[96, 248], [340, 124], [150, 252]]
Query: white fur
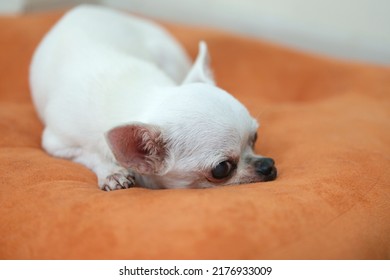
[[100, 69]]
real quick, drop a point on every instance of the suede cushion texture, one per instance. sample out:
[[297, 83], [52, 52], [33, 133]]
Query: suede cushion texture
[[325, 122]]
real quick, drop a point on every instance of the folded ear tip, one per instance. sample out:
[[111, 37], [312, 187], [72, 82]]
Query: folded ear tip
[[202, 46], [200, 71]]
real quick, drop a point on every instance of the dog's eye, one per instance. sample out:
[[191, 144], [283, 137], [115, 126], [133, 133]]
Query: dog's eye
[[254, 139], [223, 170]]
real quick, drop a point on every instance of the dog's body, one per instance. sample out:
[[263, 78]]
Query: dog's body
[[118, 94]]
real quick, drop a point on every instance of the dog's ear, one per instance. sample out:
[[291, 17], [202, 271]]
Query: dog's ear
[[200, 71], [139, 147]]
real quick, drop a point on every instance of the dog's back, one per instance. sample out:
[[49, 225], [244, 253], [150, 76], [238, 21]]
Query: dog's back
[[91, 37], [132, 35]]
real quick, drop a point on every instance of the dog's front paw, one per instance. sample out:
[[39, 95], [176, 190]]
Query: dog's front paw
[[118, 180]]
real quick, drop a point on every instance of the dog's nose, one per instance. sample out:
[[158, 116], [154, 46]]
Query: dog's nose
[[266, 168]]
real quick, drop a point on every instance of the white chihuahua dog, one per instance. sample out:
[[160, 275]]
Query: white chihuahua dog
[[118, 94]]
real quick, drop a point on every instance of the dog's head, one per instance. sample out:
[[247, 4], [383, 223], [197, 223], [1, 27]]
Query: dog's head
[[201, 137]]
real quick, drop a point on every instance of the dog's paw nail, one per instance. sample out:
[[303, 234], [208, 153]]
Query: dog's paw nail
[[117, 181], [131, 179]]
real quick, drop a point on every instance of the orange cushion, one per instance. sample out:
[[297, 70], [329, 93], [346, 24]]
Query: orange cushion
[[325, 122]]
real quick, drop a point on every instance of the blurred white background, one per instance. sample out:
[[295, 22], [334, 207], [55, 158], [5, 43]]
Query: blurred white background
[[347, 29]]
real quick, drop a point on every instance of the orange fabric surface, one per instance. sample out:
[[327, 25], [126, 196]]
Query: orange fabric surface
[[325, 122]]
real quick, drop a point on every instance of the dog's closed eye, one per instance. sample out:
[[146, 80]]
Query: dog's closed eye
[[252, 140]]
